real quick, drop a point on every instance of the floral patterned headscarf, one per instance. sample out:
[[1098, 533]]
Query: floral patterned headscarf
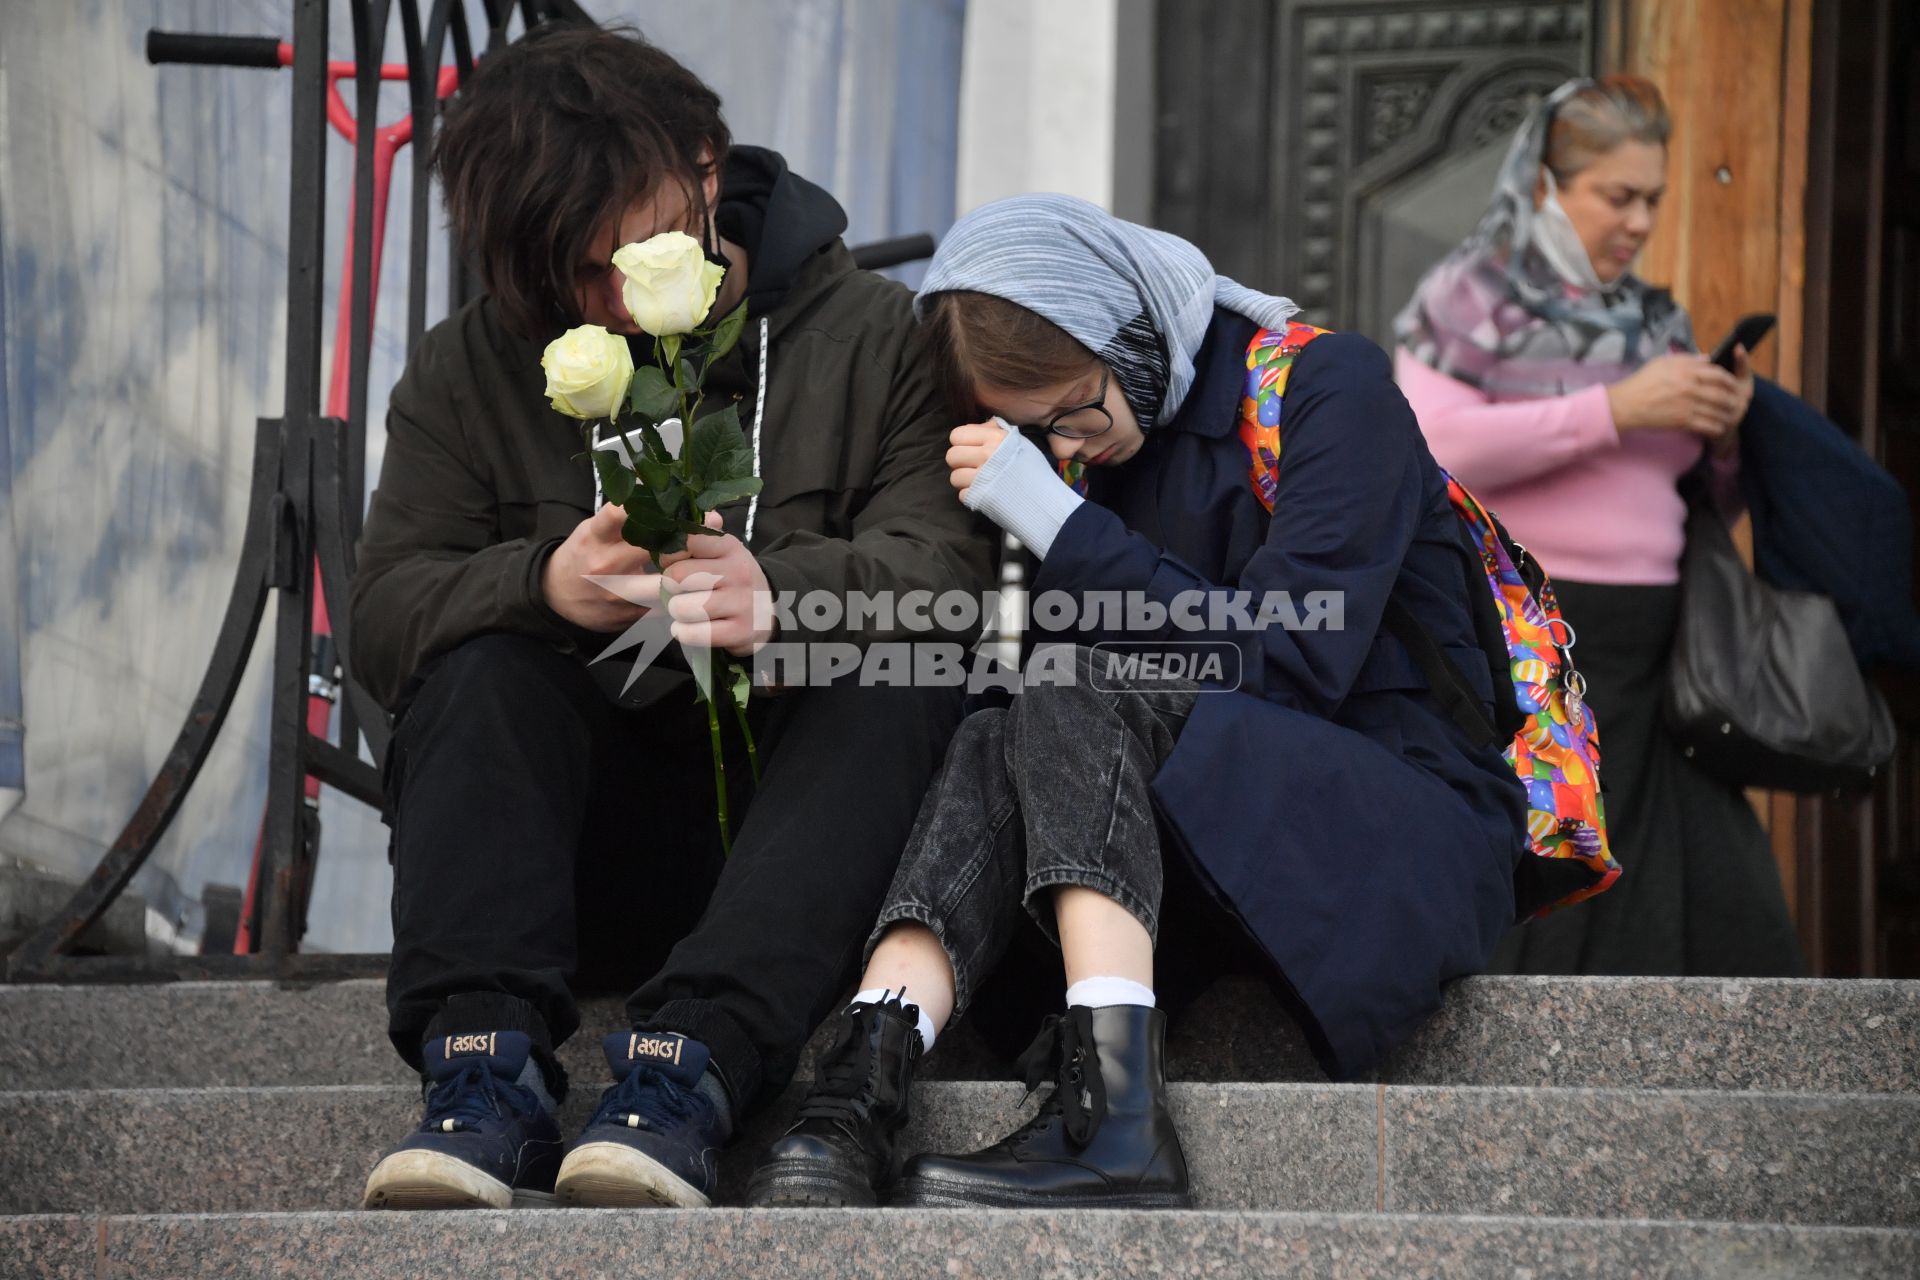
[[1497, 315]]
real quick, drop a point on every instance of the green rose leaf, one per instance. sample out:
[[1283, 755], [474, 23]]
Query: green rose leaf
[[648, 505], [691, 374], [713, 450], [652, 395], [656, 475], [728, 332], [676, 500], [702, 665], [616, 482], [726, 420], [650, 527], [656, 447], [742, 684], [722, 492]]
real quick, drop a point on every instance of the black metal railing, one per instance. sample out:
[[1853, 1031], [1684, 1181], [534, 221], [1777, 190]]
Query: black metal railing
[[304, 508]]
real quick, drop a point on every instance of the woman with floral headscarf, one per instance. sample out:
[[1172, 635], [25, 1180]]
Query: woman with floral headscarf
[[1256, 768], [1568, 394]]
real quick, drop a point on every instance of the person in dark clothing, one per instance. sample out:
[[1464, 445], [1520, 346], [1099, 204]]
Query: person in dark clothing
[[551, 827], [1332, 813]]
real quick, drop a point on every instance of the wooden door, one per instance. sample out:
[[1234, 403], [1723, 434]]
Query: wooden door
[[1859, 859]]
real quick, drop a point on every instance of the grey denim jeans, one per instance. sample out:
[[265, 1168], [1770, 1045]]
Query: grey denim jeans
[[1050, 791]]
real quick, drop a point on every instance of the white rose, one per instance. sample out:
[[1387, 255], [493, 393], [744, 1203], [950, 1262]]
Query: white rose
[[588, 370], [670, 284]]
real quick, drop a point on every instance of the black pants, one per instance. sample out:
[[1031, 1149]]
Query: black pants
[[1699, 893], [544, 837], [1049, 792]]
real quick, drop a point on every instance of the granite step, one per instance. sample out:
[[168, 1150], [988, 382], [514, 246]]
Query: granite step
[[965, 1245], [1818, 1159], [1710, 1033]]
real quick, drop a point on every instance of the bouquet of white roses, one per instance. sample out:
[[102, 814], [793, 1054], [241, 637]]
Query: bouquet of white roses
[[670, 288]]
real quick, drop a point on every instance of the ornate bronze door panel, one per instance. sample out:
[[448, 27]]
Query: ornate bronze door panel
[[1333, 149]]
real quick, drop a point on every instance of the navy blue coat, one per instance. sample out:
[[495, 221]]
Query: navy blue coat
[[1828, 518], [1366, 844]]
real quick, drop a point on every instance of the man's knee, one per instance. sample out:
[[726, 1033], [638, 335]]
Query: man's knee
[[493, 675], [902, 712], [494, 656]]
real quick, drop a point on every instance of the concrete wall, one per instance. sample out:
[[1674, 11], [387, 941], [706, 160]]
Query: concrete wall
[[1058, 97]]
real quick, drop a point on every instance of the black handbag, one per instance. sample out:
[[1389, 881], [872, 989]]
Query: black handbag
[[1762, 688]]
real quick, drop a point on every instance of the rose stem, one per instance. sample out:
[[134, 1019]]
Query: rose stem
[[719, 776], [753, 754]]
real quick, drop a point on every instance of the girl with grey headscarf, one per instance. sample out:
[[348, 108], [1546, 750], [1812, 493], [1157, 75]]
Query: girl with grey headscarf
[[1223, 756], [1567, 393]]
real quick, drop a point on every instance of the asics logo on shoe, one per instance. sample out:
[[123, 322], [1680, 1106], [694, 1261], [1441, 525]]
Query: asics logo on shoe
[[471, 1044], [659, 1048]]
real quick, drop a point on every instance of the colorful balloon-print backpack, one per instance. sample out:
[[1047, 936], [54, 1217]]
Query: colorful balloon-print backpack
[[1546, 730]]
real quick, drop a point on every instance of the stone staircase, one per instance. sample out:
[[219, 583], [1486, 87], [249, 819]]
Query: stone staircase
[[1537, 1127]]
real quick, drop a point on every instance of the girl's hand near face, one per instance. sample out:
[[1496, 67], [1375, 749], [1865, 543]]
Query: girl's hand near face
[[971, 446]]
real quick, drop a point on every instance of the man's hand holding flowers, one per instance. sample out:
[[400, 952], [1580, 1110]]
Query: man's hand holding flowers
[[718, 597]]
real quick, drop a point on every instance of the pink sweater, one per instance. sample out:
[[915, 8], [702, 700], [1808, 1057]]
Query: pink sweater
[[1592, 505]]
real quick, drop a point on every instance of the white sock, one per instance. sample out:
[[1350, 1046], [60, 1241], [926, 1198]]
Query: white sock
[[881, 995], [1098, 993]]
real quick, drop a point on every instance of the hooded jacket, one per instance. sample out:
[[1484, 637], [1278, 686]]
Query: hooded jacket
[[482, 478]]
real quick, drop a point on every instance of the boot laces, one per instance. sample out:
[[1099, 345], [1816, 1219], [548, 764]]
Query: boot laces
[[1065, 1056], [843, 1080], [843, 1088], [473, 1097]]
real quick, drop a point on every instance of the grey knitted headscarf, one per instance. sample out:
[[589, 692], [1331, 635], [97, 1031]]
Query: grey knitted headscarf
[[1139, 299]]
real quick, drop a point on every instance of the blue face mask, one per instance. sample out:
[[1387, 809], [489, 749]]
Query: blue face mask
[[1554, 236]]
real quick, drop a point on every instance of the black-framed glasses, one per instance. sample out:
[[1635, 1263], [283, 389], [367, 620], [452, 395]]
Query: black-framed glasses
[[1057, 425]]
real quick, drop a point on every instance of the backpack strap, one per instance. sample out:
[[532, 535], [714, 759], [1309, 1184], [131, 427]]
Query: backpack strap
[[1270, 359], [1262, 402], [1074, 473], [1448, 683], [1508, 718]]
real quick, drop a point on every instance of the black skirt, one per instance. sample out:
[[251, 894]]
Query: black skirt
[[1699, 892]]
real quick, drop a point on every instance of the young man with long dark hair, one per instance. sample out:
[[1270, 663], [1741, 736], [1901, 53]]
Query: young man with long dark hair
[[550, 830]]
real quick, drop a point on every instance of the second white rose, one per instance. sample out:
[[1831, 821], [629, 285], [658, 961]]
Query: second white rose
[[588, 370], [670, 286]]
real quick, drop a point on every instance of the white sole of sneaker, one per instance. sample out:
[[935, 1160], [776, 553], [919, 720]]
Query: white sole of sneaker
[[430, 1180], [607, 1175]]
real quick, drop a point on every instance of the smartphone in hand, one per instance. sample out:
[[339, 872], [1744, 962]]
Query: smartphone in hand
[[1748, 333]]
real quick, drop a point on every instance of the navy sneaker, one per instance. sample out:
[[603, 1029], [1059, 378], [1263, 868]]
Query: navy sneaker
[[487, 1139], [656, 1138]]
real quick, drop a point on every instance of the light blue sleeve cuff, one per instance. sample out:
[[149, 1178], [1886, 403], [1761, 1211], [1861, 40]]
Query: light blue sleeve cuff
[[1020, 490]]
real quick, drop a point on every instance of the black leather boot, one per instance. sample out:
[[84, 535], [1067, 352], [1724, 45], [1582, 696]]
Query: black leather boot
[[839, 1152], [1103, 1138]]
